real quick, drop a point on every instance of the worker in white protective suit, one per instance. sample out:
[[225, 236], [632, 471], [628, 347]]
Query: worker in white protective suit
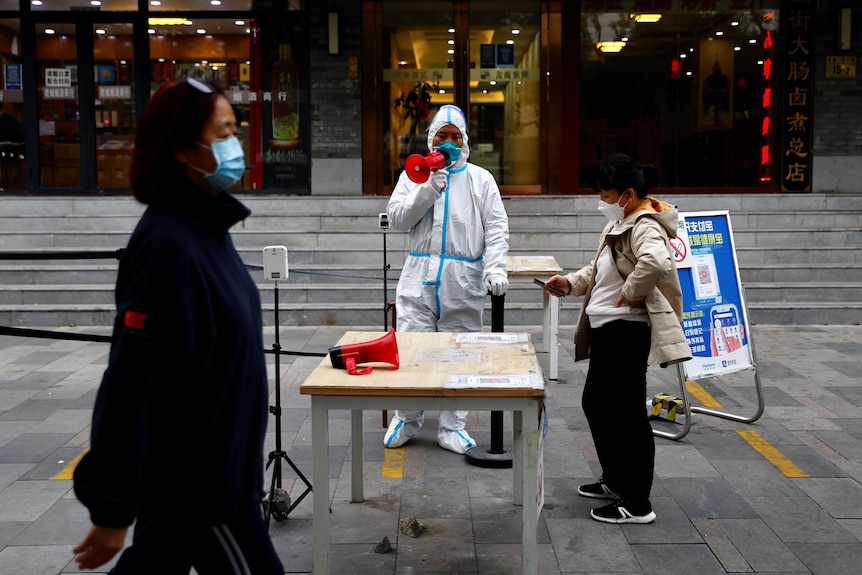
[[459, 241]]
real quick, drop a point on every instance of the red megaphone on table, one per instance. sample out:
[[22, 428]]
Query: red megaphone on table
[[383, 349]]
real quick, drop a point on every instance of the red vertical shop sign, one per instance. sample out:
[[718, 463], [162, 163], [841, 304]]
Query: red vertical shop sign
[[797, 26]]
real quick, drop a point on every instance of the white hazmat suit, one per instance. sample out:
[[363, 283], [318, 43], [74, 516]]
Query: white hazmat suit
[[458, 245]]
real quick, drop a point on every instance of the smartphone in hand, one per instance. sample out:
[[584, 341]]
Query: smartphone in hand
[[551, 289]]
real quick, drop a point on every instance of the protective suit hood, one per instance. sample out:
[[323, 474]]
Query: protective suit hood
[[449, 114]]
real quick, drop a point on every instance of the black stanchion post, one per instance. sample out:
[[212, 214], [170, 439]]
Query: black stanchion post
[[496, 456]]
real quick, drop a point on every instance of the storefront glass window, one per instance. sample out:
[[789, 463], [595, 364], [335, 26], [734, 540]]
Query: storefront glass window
[[220, 52], [505, 89], [90, 5], [196, 5], [684, 89], [59, 116], [11, 109]]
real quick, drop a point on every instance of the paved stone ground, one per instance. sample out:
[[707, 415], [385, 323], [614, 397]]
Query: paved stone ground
[[781, 495]]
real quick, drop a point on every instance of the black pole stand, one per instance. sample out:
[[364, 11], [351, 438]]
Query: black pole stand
[[278, 503], [383, 221], [496, 456], [386, 307]]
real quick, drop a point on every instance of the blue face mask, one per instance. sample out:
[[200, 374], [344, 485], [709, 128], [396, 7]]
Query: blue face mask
[[451, 151], [230, 163]]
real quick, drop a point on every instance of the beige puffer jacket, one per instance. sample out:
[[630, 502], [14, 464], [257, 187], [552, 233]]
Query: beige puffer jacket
[[641, 253]]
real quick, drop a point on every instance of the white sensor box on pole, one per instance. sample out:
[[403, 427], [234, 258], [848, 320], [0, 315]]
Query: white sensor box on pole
[[275, 263]]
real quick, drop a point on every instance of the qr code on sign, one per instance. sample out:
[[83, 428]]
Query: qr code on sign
[[703, 274]]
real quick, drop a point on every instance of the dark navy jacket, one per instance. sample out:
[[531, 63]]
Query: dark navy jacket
[[181, 413]]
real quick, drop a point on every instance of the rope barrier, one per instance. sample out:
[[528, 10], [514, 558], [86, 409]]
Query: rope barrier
[[50, 334]]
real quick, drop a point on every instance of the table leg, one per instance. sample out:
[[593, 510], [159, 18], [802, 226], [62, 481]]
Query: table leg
[[546, 322], [517, 458], [554, 331], [357, 487], [530, 489], [320, 472]]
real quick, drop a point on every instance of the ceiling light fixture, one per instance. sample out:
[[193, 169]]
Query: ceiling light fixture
[[166, 21], [646, 18], [610, 46]]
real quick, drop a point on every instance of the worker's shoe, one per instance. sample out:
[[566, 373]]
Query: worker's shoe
[[457, 440], [404, 425]]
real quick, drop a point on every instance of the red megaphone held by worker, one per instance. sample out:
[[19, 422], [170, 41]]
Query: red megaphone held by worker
[[383, 349], [419, 167]]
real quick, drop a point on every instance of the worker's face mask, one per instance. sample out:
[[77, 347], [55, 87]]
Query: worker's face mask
[[230, 163], [450, 151]]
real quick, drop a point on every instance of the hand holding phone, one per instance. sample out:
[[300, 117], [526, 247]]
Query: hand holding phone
[[550, 288]]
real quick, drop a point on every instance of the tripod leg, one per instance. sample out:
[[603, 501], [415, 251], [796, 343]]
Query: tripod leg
[[278, 500]]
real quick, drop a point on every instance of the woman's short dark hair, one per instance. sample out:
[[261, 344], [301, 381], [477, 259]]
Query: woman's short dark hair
[[620, 172], [175, 116]]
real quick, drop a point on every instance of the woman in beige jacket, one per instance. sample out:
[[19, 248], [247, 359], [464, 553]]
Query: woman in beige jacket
[[630, 317]]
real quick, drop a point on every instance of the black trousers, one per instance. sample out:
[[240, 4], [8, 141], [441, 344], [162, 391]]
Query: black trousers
[[172, 545], [614, 403]]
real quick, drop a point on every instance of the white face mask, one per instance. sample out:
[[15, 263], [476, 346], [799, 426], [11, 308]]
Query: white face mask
[[614, 212]]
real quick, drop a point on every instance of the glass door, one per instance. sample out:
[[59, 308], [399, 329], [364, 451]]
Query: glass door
[[58, 106], [419, 49], [481, 55], [505, 91], [114, 111]]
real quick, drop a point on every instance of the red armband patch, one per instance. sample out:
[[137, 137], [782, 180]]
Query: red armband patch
[[134, 319]]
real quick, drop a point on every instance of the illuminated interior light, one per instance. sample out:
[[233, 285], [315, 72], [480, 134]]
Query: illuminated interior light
[[239, 22], [151, 31], [624, 39], [450, 51], [450, 41], [753, 41], [36, 2], [683, 55], [734, 23], [215, 2], [646, 18], [166, 21], [155, 3], [95, 3], [610, 46], [50, 31], [451, 30], [736, 48], [688, 73], [201, 31], [493, 82], [101, 32], [442, 91], [719, 33], [510, 41]]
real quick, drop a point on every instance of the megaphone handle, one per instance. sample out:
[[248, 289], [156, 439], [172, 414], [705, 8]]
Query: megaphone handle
[[350, 362]]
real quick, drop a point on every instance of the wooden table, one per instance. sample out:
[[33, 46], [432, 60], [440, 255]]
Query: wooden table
[[477, 372], [542, 267]]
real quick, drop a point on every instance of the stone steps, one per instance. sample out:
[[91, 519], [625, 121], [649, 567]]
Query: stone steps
[[799, 256]]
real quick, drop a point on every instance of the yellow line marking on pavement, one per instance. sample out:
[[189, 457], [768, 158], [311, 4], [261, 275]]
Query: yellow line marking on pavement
[[69, 469], [702, 395], [772, 455], [393, 463]]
